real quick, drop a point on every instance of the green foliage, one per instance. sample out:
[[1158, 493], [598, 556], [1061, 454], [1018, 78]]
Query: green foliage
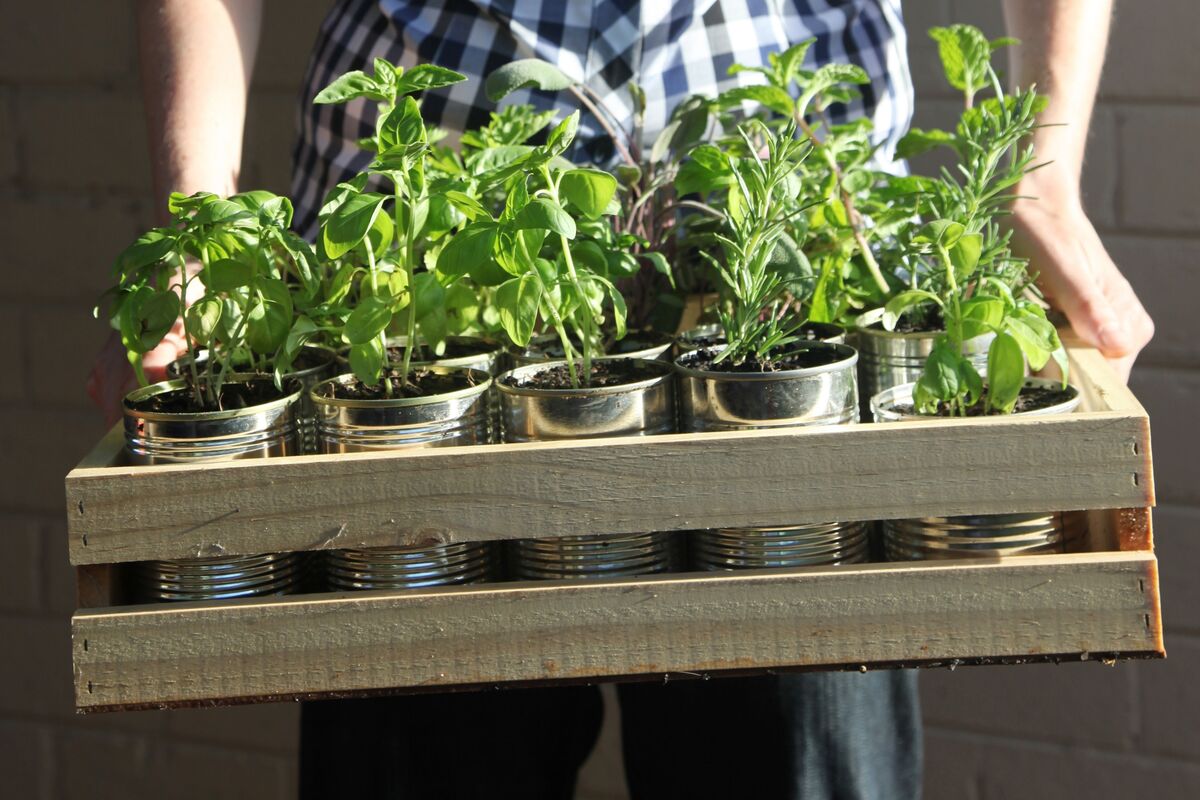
[[384, 248], [958, 267], [525, 73], [755, 219], [255, 274], [549, 248]]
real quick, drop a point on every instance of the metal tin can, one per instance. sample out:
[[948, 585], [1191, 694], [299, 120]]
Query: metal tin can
[[712, 400], [462, 417], [649, 346], [308, 377], [974, 535], [643, 407], [258, 431], [887, 359]]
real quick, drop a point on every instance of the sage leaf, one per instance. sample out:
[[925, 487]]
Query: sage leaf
[[525, 73]]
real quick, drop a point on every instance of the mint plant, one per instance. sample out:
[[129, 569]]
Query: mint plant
[[255, 272], [354, 220], [961, 268]]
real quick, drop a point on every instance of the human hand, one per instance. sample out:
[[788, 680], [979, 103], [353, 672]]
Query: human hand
[[112, 376], [1076, 274]]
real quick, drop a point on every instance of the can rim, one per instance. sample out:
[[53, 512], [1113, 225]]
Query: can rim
[[175, 384], [848, 358], [583, 391], [484, 382], [884, 403], [494, 349]]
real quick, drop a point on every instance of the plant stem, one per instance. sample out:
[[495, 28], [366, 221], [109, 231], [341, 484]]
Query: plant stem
[[847, 202], [372, 271], [622, 150], [560, 329], [954, 327], [586, 333], [187, 334], [410, 273]]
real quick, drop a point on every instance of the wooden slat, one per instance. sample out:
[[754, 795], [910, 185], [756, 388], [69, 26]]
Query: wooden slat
[[1093, 460], [1102, 388], [677, 482], [837, 616]]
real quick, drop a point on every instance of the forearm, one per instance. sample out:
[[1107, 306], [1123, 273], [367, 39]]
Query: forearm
[[196, 57], [1062, 51]]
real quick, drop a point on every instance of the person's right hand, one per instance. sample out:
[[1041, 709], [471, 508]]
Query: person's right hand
[[1075, 271], [112, 376]]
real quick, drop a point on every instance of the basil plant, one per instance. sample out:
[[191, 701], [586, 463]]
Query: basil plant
[[548, 250], [257, 276], [378, 237]]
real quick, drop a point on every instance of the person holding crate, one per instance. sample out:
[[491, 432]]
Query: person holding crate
[[810, 735]]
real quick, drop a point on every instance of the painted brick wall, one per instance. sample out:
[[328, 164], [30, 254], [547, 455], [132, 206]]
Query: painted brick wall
[[72, 156], [1080, 729]]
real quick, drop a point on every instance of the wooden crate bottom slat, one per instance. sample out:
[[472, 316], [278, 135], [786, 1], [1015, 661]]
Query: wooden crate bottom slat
[[870, 615]]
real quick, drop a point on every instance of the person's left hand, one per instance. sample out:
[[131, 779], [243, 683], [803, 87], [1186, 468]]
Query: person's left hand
[[112, 376], [1076, 273]]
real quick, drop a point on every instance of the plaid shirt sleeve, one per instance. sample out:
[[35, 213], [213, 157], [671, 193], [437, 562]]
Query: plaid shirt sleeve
[[673, 49]]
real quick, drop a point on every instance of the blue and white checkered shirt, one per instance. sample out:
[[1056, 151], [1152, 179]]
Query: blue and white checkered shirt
[[672, 48]]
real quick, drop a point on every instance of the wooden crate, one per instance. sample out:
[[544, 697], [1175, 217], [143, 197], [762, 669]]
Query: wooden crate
[[1099, 603]]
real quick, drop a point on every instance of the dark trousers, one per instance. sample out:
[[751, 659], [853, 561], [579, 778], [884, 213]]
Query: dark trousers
[[810, 736]]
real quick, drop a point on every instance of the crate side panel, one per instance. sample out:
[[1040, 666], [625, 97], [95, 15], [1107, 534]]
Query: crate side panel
[[527, 632], [678, 482]]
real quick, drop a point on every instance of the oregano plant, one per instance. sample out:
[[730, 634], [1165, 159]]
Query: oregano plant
[[962, 270]]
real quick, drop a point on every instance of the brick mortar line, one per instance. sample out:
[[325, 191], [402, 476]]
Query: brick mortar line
[[1166, 368], [168, 736], [1139, 757]]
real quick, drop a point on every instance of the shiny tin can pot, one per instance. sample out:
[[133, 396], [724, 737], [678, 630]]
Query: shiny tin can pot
[[647, 345], [970, 536], [887, 359], [257, 431], [306, 423], [462, 352], [642, 407], [462, 417], [716, 400], [712, 400]]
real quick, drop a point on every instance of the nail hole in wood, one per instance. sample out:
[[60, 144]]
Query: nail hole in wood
[[90, 688], [85, 645], [1141, 588], [85, 540], [1147, 616], [81, 508], [1135, 479], [1135, 448]]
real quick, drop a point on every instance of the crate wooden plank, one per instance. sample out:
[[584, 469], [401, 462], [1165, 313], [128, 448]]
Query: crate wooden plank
[[1090, 460], [1032, 606]]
